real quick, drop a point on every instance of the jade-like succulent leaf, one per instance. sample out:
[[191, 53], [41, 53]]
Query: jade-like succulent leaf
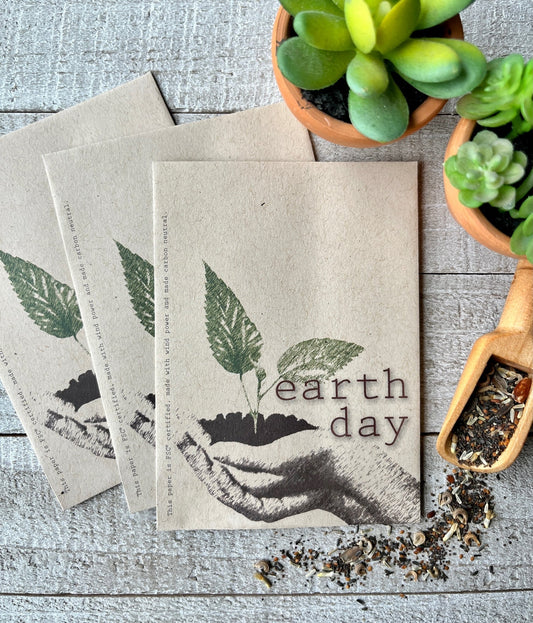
[[367, 75], [310, 68], [505, 199], [234, 339], [339, 3], [504, 86], [429, 61], [525, 210], [316, 359], [433, 12], [473, 68], [397, 25], [360, 24], [382, 118], [323, 31], [295, 6], [522, 239]]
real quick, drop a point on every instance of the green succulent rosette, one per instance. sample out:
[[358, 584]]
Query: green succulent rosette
[[485, 169], [504, 96], [368, 41]]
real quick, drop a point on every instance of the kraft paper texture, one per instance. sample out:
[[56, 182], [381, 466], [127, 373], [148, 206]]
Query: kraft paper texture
[[45, 365], [103, 196], [287, 344]]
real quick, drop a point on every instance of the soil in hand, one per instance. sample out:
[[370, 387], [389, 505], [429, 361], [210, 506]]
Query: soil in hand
[[240, 428]]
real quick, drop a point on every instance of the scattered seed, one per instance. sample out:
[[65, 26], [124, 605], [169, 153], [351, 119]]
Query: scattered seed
[[469, 537], [262, 578], [263, 566], [418, 538]]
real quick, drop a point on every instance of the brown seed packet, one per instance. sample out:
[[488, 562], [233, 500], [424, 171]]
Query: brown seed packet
[[287, 344], [103, 196], [45, 365]]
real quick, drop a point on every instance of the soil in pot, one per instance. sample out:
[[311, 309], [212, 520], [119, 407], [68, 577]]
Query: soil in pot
[[240, 428]]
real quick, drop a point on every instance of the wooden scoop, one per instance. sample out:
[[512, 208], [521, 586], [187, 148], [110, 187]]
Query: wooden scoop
[[512, 344]]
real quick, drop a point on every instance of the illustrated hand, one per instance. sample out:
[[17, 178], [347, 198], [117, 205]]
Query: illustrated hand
[[278, 480], [85, 428]]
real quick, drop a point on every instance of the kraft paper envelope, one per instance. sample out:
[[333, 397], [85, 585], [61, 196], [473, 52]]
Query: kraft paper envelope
[[287, 344], [103, 197], [45, 365]]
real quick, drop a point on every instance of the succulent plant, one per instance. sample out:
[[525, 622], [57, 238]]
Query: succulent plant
[[484, 170], [522, 238], [504, 96], [367, 41]]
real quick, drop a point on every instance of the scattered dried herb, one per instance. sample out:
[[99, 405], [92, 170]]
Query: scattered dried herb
[[491, 416], [464, 506]]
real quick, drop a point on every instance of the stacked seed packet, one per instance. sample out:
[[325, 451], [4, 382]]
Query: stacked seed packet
[[224, 324]]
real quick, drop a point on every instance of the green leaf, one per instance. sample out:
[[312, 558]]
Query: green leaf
[[397, 25], [473, 68], [435, 12], [522, 239], [323, 31], [234, 339], [360, 24], [139, 275], [425, 60], [310, 68], [381, 118], [52, 305], [367, 75], [318, 358], [296, 6], [339, 3], [526, 209]]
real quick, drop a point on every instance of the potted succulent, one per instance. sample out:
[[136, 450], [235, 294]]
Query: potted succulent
[[488, 180], [377, 51]]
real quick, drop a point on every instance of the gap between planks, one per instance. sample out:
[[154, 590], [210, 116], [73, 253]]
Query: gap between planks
[[345, 595]]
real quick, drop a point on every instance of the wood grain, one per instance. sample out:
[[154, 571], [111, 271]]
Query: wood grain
[[207, 56], [503, 607], [99, 548]]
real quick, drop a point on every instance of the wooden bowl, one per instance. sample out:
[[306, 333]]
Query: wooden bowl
[[328, 127], [472, 219]]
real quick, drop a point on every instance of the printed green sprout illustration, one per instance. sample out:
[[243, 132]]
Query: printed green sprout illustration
[[139, 276], [51, 305], [236, 344]]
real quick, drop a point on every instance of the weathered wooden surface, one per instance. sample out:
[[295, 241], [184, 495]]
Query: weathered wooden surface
[[207, 56], [503, 607], [98, 548], [98, 562]]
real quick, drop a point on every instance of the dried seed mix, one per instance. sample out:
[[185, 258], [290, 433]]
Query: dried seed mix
[[491, 416], [464, 506]]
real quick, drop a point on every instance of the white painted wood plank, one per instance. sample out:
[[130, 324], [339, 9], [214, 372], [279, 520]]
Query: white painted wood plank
[[508, 607], [98, 548], [210, 56]]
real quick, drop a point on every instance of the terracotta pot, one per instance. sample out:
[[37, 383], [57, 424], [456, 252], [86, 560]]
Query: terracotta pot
[[472, 219], [328, 127]]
